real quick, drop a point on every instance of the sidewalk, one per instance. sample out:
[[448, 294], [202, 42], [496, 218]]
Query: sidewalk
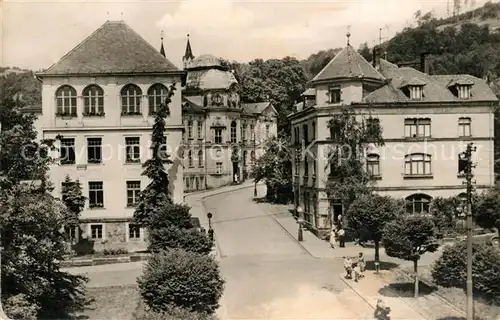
[[369, 289], [317, 248]]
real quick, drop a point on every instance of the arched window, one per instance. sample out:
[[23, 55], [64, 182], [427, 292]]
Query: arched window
[[252, 157], [418, 203], [245, 154], [373, 164], [200, 158], [66, 101], [93, 100], [131, 99], [418, 164], [233, 132], [157, 94], [190, 159]]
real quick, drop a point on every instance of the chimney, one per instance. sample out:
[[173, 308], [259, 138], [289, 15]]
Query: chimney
[[424, 67], [376, 57]]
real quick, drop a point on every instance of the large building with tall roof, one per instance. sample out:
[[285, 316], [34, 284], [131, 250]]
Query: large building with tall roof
[[98, 103], [223, 136], [426, 120]]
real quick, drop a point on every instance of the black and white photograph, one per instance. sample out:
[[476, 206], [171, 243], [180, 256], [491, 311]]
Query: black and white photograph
[[249, 160]]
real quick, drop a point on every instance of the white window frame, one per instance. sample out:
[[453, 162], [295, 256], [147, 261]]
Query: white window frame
[[463, 91], [135, 196], [464, 125], [199, 129], [218, 167], [89, 231], [127, 233], [416, 164]]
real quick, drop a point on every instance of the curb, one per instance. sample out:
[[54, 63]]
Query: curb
[[392, 291], [101, 261]]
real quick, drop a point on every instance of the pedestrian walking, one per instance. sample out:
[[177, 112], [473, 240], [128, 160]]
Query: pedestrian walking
[[341, 234], [348, 267], [361, 262], [333, 238]]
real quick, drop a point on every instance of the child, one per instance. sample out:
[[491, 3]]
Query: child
[[357, 272], [348, 267], [333, 238], [361, 262]]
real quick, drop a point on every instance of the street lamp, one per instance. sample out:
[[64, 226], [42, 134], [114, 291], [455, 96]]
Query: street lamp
[[253, 163], [300, 221], [210, 230]]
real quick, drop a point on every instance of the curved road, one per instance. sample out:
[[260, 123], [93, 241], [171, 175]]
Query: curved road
[[268, 274]]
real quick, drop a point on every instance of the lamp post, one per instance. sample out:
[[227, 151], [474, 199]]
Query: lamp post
[[210, 230], [253, 161], [300, 221]]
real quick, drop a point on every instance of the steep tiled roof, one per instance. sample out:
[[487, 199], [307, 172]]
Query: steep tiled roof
[[113, 48], [435, 87], [192, 103], [255, 107], [348, 63], [205, 61]]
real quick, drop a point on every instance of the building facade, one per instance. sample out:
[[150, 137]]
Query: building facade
[[426, 121], [223, 136], [98, 105]]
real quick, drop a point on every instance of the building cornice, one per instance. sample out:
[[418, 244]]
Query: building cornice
[[42, 75], [110, 128]]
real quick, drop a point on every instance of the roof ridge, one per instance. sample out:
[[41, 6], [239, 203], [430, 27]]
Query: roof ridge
[[80, 44], [328, 64]]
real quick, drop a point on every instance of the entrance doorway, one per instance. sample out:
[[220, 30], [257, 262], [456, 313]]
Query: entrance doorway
[[236, 170]]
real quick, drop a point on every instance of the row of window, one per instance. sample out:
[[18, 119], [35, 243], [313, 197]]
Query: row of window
[[93, 99], [94, 150], [97, 232], [218, 132], [96, 193], [200, 159], [414, 128], [414, 92]]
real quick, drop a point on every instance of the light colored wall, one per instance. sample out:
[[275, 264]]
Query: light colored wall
[[351, 91], [444, 146], [112, 128]]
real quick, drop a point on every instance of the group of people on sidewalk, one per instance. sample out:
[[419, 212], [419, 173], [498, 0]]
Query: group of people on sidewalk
[[337, 233], [354, 267]]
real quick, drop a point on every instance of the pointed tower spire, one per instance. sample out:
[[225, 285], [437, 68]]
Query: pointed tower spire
[[162, 49], [188, 55]]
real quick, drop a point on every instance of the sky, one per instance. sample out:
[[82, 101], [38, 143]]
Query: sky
[[35, 34]]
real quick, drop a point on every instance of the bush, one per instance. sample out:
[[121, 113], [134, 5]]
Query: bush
[[171, 237], [171, 215], [19, 308], [144, 313], [450, 270], [177, 278], [114, 252]]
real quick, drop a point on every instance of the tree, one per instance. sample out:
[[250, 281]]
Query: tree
[[450, 270], [74, 200], [365, 51], [33, 247], [369, 214], [409, 237], [444, 211], [177, 278], [351, 134], [487, 209], [274, 167], [156, 196], [280, 81], [171, 237]]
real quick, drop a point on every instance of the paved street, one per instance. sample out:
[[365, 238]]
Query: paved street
[[269, 275]]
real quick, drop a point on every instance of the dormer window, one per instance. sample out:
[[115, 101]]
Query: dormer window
[[414, 89], [335, 94], [416, 92], [461, 88], [463, 91]]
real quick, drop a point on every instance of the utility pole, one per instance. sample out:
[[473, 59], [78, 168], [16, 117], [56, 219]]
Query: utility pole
[[253, 162], [379, 36], [465, 165]]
